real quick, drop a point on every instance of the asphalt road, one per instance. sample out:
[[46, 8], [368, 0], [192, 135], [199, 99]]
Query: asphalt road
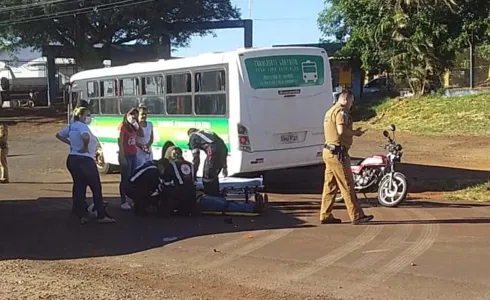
[[422, 250]]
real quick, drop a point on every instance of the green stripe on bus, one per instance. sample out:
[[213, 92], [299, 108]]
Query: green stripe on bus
[[164, 129]]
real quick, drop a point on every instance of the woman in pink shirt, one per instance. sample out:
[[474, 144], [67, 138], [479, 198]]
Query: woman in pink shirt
[[129, 130]]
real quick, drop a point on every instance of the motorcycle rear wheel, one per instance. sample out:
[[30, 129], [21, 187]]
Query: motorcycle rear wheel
[[392, 198]]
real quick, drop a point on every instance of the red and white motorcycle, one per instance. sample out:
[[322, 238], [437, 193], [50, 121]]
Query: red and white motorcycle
[[378, 172]]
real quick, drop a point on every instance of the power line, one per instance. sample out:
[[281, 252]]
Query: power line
[[32, 5], [283, 19], [73, 12]]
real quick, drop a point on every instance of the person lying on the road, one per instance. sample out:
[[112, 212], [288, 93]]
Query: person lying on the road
[[221, 206]]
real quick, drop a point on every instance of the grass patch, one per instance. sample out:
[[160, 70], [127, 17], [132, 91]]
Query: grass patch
[[433, 115], [479, 193]]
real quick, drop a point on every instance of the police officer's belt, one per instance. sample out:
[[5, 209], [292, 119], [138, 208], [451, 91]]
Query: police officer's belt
[[335, 149]]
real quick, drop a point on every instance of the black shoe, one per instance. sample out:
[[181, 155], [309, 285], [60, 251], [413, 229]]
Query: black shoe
[[363, 220], [331, 221]]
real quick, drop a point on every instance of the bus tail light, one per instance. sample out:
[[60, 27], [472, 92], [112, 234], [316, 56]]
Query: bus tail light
[[243, 139]]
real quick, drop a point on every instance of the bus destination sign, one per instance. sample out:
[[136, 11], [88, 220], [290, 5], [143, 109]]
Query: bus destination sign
[[285, 71]]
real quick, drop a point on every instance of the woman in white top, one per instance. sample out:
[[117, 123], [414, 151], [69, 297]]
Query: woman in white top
[[81, 165], [144, 142]]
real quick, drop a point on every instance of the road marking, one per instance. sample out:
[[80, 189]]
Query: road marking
[[376, 251], [423, 243], [242, 246], [329, 259], [402, 232], [259, 242]]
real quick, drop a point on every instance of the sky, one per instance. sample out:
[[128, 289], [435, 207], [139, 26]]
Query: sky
[[276, 22]]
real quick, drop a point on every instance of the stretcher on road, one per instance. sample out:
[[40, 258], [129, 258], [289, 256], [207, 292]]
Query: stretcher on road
[[239, 186]]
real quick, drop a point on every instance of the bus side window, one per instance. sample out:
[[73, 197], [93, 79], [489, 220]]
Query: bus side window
[[152, 92], [94, 106], [179, 94], [129, 91], [93, 97], [109, 103], [92, 89], [210, 93]]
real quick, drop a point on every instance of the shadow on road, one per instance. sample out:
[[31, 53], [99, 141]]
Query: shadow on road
[[60, 182], [430, 204], [441, 221], [44, 229], [421, 178]]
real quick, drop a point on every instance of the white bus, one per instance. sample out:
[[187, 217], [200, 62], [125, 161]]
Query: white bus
[[257, 100]]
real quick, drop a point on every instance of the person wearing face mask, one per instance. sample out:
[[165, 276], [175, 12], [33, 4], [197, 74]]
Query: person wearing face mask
[[129, 130], [82, 167], [80, 103], [339, 135]]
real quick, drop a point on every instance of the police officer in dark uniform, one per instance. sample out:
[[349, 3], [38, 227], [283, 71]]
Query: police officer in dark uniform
[[147, 185], [216, 152]]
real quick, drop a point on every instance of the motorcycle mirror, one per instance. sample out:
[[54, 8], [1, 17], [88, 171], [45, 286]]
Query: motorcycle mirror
[[392, 127], [386, 133]]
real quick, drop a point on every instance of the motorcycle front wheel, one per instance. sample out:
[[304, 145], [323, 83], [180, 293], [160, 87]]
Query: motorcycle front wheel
[[394, 195], [338, 198]]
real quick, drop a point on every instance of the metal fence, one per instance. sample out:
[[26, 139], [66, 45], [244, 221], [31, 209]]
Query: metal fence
[[460, 76]]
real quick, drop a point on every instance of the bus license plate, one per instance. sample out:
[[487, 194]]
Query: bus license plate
[[289, 138]]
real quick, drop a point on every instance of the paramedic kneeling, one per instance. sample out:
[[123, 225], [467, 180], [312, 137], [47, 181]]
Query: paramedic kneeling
[[216, 152], [181, 196], [146, 186]]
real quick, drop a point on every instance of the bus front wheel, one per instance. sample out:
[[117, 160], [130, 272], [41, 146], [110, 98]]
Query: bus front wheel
[[102, 166]]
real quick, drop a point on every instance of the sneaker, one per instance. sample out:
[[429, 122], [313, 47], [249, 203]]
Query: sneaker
[[363, 220], [106, 220], [92, 213], [125, 206], [4, 181], [331, 221], [83, 221]]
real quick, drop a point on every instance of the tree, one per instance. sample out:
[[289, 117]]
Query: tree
[[79, 25], [416, 40]]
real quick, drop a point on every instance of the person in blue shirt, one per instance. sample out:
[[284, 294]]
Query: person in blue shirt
[[81, 165], [80, 103]]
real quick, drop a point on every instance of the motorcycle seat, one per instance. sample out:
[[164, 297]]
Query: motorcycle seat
[[356, 162]]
